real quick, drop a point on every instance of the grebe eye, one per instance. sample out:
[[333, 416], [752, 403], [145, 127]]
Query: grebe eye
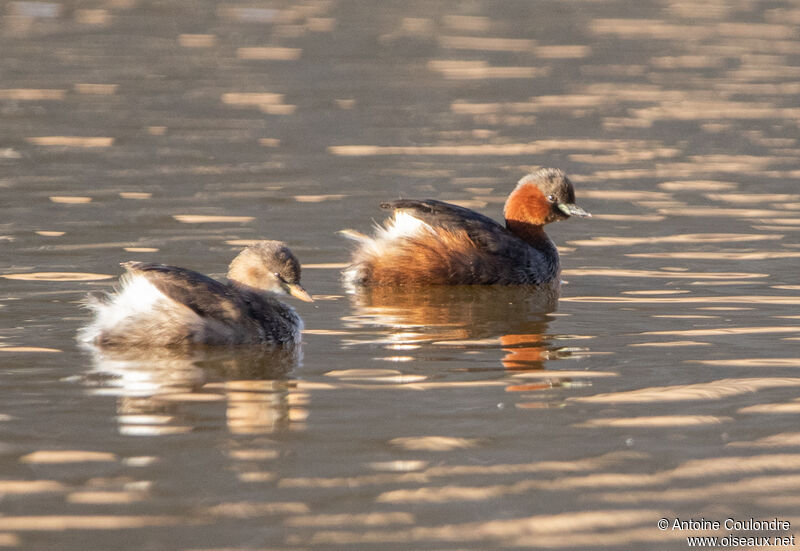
[[551, 198]]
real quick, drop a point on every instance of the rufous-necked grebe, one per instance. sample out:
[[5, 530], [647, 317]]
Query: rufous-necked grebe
[[430, 242], [159, 305]]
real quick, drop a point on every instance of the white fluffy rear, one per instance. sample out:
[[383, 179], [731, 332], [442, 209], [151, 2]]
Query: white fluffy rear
[[137, 299], [403, 225]]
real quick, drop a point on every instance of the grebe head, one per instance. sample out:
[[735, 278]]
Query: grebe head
[[268, 266], [541, 197]]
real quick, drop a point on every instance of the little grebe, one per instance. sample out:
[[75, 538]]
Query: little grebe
[[159, 305], [430, 242]]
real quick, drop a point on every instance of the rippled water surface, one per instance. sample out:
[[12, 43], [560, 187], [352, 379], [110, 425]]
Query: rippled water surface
[[663, 383]]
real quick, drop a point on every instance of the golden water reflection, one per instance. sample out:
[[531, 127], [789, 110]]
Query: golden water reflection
[[248, 389], [470, 321]]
